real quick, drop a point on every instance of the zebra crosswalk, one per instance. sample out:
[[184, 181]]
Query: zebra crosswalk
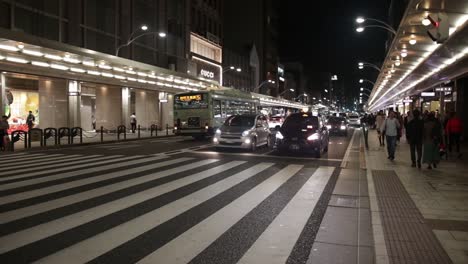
[[153, 209]]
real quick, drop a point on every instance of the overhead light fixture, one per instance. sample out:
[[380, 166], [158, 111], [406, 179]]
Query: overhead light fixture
[[162, 34], [360, 29], [94, 72], [89, 63], [104, 66], [130, 72], [33, 52], [15, 59], [118, 69], [77, 70], [426, 22], [20, 46], [8, 47], [58, 67], [71, 60], [131, 79], [397, 63], [144, 27], [404, 54], [142, 74], [412, 41], [53, 57], [120, 77], [40, 63], [109, 75], [142, 81], [360, 20]]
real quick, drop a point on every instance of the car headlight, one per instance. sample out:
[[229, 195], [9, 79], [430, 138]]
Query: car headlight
[[279, 135], [342, 127], [314, 136], [245, 133], [329, 127], [215, 140], [218, 131]]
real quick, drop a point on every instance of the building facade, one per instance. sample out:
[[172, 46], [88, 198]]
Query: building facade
[[58, 60]]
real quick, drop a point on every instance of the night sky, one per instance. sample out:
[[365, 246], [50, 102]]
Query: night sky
[[324, 38]]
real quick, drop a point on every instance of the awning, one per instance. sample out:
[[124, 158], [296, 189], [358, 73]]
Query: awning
[[414, 62], [26, 54]]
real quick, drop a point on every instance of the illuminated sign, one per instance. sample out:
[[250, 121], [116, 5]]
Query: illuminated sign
[[427, 94], [443, 89], [207, 74], [188, 98]]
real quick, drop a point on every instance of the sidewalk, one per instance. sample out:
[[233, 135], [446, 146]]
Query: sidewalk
[[91, 137], [418, 215]]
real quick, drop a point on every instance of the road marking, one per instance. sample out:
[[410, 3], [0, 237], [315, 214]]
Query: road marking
[[348, 150], [276, 243], [45, 230], [28, 157], [37, 162], [74, 184], [101, 243], [261, 155], [200, 236]]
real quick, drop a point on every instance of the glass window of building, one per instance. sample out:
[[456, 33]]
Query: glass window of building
[[101, 15]]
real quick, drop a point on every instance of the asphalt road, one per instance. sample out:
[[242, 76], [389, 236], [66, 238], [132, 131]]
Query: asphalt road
[[165, 200]]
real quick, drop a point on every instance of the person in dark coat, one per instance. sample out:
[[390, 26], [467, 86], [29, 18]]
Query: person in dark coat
[[414, 135]]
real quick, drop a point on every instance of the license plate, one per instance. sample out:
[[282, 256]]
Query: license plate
[[294, 147]]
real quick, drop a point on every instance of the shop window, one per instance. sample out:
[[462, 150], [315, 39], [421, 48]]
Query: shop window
[[99, 42]]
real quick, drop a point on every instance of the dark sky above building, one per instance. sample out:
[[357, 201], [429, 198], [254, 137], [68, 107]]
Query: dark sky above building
[[321, 34]]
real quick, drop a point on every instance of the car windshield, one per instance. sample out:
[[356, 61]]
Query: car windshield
[[353, 116], [334, 119], [240, 121], [301, 121]]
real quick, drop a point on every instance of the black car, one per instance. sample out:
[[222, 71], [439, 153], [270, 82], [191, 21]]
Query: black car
[[302, 132], [337, 125]]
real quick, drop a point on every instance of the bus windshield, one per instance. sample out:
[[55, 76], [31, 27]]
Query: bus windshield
[[191, 101]]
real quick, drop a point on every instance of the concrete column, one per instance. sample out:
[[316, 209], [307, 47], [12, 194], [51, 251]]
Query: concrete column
[[108, 107], [126, 106], [167, 111], [3, 100], [74, 89]]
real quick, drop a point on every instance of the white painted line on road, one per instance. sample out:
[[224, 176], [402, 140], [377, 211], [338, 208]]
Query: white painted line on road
[[276, 243], [37, 162], [348, 150], [33, 168], [42, 231], [114, 237], [261, 155], [78, 183], [200, 236], [23, 157]]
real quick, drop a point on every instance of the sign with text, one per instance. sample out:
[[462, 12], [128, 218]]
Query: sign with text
[[428, 94], [443, 89], [207, 69]]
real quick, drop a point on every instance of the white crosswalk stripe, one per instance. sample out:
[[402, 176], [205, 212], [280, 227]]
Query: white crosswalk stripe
[[50, 159], [39, 210]]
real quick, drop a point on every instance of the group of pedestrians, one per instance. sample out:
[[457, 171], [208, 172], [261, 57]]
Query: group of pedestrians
[[424, 133]]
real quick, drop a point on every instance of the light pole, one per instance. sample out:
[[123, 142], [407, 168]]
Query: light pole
[[364, 80], [132, 38], [383, 25], [231, 68], [263, 83], [365, 89], [362, 64], [288, 90], [301, 95]]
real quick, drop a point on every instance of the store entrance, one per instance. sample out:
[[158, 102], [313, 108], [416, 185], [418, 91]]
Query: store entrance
[[88, 108]]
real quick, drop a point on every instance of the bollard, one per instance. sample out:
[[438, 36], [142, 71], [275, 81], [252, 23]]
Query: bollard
[[167, 130], [50, 132], [74, 133], [154, 128], [31, 132], [121, 129], [102, 134], [64, 131], [138, 131], [16, 136]]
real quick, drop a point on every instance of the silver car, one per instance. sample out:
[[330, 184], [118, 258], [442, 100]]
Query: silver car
[[354, 120], [243, 131]]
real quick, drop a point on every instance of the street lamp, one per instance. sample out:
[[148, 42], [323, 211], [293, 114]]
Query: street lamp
[[361, 65], [365, 80], [231, 68], [288, 90], [365, 89], [383, 25], [132, 38], [263, 83]]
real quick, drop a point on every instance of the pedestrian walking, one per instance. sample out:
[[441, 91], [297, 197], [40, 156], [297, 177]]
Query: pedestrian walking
[[390, 129], [454, 130], [379, 121], [133, 122], [4, 126], [414, 135], [30, 120], [431, 140]]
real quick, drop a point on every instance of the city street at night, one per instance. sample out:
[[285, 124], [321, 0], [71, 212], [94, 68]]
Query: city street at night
[[234, 132]]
